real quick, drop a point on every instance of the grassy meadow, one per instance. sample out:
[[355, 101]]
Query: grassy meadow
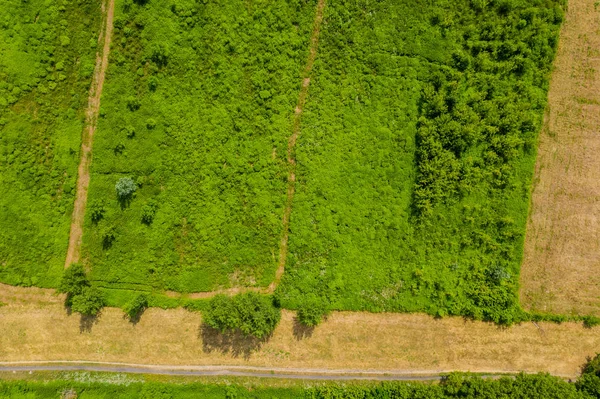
[[414, 161], [47, 56], [197, 109], [416, 156]]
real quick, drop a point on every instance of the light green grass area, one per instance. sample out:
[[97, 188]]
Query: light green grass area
[[47, 53], [197, 109], [414, 161], [97, 385], [416, 156]]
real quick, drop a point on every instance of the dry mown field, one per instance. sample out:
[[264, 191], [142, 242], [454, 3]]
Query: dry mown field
[[35, 326], [562, 250]]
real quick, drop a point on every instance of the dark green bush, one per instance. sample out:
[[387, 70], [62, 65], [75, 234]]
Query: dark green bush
[[148, 212], [312, 311], [97, 210], [590, 321], [88, 302], [136, 306], [250, 313], [74, 280]]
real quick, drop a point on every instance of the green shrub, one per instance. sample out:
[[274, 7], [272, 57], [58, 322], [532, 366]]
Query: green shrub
[[136, 306], [88, 302], [250, 313], [74, 280], [312, 311], [97, 210], [108, 234], [148, 212], [590, 321]]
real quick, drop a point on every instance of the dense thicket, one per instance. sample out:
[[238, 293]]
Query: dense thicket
[[416, 155], [196, 110], [454, 386], [46, 64]]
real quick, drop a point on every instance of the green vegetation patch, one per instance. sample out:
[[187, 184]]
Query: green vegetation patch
[[189, 174], [47, 59], [416, 156], [452, 386]]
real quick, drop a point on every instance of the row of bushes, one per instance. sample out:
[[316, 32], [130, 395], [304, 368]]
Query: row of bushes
[[250, 313]]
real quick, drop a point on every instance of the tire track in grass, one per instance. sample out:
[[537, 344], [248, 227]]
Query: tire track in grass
[[312, 55], [87, 139]]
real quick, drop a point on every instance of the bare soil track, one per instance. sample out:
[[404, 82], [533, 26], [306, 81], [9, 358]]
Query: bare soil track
[[87, 139], [561, 266]]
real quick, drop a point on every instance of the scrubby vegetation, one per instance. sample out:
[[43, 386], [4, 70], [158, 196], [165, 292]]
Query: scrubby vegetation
[[46, 65], [453, 386], [250, 313], [417, 153], [196, 112]]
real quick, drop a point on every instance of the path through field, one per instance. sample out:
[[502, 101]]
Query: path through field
[[87, 139], [561, 267], [314, 44]]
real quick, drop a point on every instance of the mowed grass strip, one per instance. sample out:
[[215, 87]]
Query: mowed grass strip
[[197, 109], [47, 54]]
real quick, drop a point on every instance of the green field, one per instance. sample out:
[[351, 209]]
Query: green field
[[416, 156], [197, 109], [454, 386], [47, 53], [414, 161]]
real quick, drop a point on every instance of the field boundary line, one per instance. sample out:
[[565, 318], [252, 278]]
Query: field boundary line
[[291, 185], [87, 139]]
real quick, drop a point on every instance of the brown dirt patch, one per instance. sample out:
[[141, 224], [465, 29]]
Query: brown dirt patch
[[87, 139], [560, 271], [36, 327]]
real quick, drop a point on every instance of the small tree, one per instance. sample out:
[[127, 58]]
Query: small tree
[[89, 302], [134, 308], [311, 311], [249, 313], [258, 316], [73, 280], [125, 188]]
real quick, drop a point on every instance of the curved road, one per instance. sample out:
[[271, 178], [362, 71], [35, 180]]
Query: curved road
[[238, 371]]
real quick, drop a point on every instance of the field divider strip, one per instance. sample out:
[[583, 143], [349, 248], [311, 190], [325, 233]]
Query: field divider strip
[[87, 139]]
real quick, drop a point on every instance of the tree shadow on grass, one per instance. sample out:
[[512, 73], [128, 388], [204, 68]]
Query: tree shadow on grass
[[135, 318], [234, 343], [86, 322], [302, 331]]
